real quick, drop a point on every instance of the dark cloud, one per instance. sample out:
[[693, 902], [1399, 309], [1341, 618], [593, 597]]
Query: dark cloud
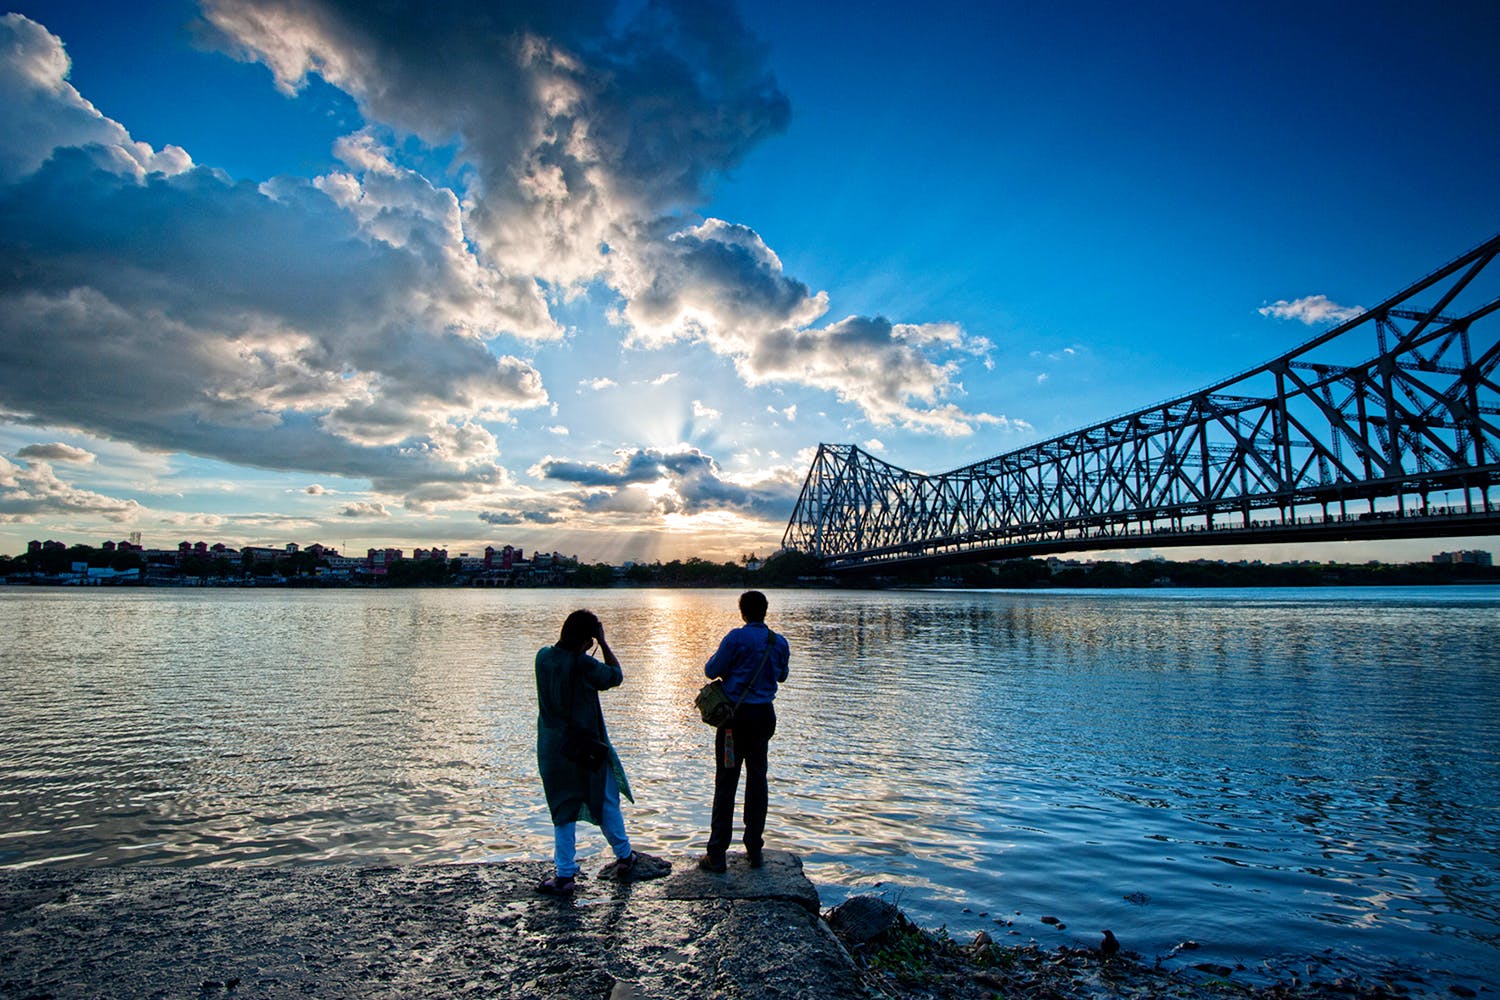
[[692, 479], [519, 517]]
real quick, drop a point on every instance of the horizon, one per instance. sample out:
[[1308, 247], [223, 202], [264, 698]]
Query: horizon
[[604, 279]]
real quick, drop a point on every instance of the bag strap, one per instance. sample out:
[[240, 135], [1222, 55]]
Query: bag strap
[[764, 659]]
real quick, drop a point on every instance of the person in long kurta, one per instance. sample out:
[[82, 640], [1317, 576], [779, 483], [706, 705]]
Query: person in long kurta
[[568, 682]]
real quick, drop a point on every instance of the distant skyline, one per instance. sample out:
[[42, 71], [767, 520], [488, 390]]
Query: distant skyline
[[598, 279]]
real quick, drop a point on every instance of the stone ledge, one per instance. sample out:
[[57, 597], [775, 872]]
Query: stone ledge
[[427, 931]]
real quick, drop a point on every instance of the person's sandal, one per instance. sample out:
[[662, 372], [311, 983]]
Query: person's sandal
[[557, 885]]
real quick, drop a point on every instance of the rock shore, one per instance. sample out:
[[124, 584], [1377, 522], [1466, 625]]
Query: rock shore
[[430, 931], [481, 930]]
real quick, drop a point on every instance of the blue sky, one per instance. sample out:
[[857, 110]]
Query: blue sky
[[598, 279]]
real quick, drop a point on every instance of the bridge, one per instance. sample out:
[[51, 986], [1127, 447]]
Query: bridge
[[1386, 426]]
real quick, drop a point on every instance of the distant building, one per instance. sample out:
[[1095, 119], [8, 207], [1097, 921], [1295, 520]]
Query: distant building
[[1467, 557]]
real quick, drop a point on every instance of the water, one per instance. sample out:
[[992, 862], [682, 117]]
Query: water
[[1269, 773]]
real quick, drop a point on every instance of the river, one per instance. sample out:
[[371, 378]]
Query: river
[[1281, 776]]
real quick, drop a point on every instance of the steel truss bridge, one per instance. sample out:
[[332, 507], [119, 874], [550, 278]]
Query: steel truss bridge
[[1386, 426]]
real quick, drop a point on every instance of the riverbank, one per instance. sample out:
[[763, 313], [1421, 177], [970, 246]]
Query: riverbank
[[476, 930], [481, 930]]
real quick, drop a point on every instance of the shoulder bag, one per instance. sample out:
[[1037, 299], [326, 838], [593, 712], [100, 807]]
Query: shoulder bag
[[714, 705]]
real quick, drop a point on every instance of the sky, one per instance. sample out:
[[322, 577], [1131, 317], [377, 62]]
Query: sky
[[597, 278]]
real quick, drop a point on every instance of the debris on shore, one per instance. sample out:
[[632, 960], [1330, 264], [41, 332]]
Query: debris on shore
[[898, 959]]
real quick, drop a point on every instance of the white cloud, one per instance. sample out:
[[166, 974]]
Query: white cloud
[[874, 364], [33, 490], [365, 508], [598, 384], [789, 413], [704, 411], [720, 285], [1311, 309], [41, 112]]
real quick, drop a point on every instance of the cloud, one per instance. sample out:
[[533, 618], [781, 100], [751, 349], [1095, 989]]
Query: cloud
[[719, 284], [42, 112], [716, 281], [338, 325], [365, 508], [519, 517], [586, 147], [1311, 309], [598, 384], [704, 411], [879, 366], [33, 490], [56, 452], [576, 132], [353, 325], [316, 490], [683, 480]]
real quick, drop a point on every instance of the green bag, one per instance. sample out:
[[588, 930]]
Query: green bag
[[714, 705]]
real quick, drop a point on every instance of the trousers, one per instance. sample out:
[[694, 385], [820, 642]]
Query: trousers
[[753, 726], [612, 823]]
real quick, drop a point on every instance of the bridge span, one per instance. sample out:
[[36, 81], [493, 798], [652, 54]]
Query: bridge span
[[1386, 426]]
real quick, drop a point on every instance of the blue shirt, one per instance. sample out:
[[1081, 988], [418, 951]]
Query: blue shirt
[[738, 658]]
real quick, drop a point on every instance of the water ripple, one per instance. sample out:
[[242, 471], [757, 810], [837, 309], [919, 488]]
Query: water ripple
[[1257, 770]]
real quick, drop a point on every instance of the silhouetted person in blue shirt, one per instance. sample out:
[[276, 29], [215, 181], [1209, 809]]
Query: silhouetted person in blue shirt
[[751, 660]]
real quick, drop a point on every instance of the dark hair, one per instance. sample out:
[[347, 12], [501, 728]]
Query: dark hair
[[753, 606], [580, 627]]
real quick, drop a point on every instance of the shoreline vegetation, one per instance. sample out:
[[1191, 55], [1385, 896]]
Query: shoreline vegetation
[[82, 565]]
